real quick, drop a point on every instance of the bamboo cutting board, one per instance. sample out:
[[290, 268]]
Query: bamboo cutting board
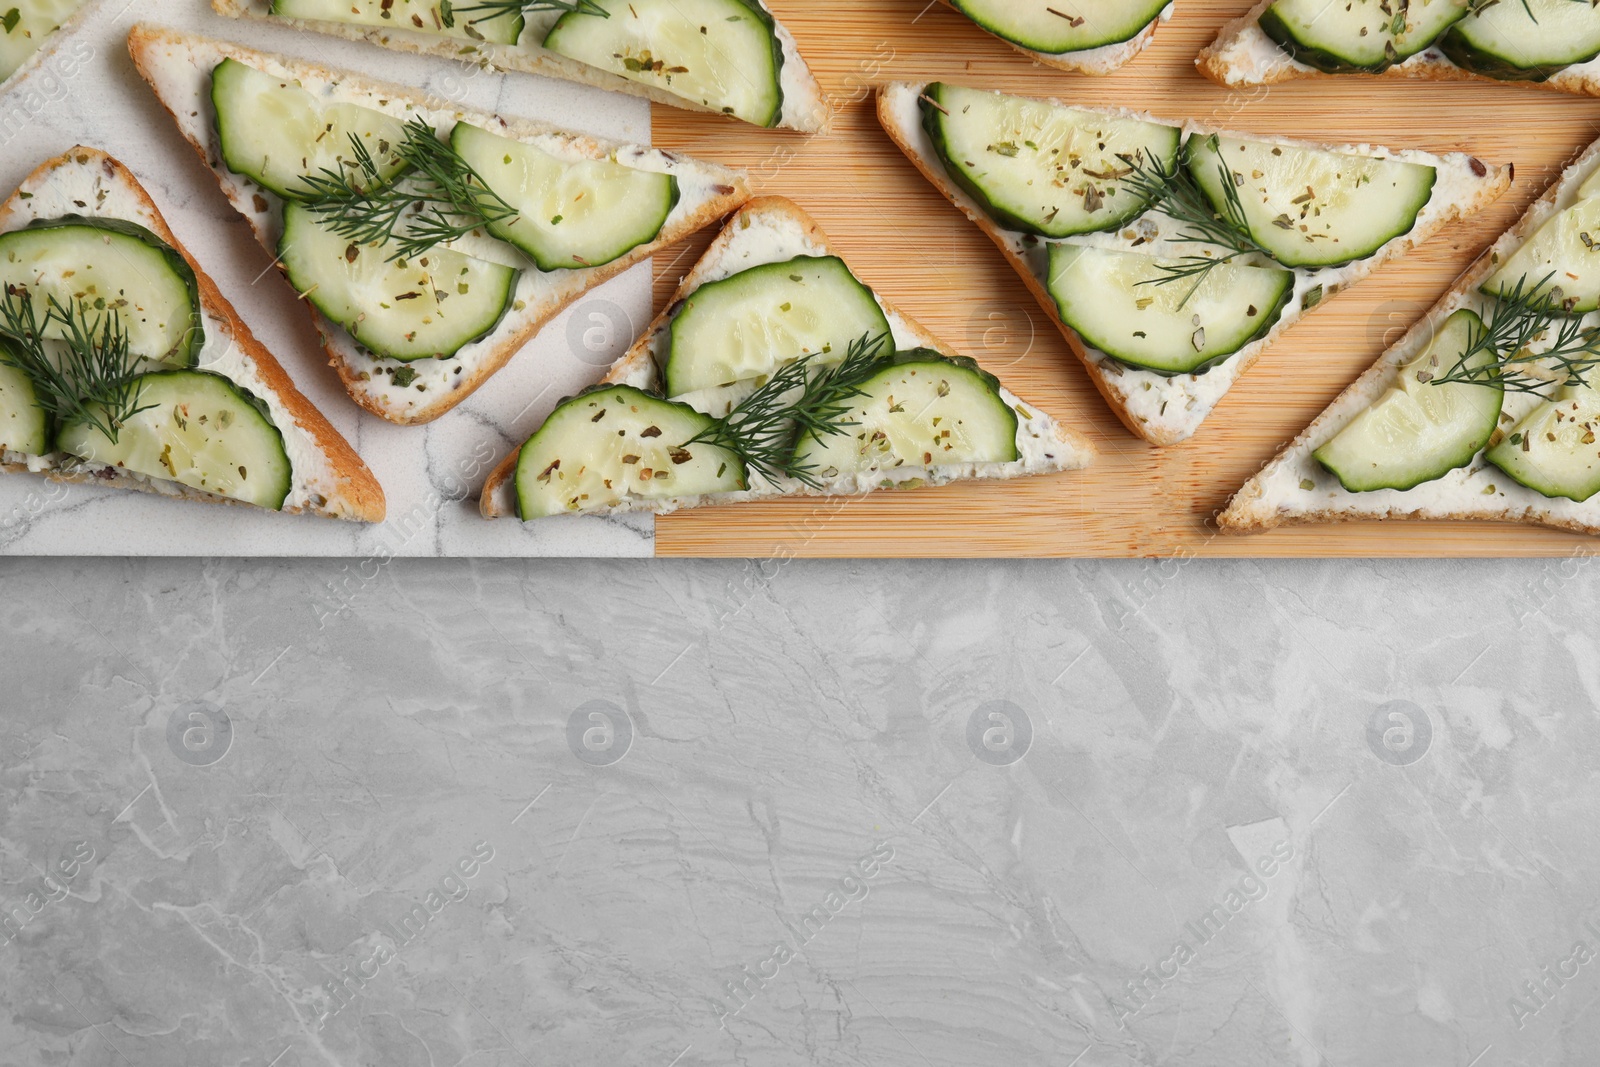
[[910, 244]]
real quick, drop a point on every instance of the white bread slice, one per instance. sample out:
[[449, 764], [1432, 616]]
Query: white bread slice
[[1096, 61], [178, 67], [1243, 55], [45, 50], [805, 108], [771, 229], [1166, 410], [1293, 488], [329, 479]]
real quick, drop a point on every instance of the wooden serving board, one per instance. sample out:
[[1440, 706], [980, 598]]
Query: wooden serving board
[[911, 245]]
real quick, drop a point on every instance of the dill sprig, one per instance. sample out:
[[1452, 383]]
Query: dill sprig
[[350, 201], [1177, 195], [438, 197], [764, 427], [88, 377], [501, 8], [1478, 7], [1519, 319], [759, 430]]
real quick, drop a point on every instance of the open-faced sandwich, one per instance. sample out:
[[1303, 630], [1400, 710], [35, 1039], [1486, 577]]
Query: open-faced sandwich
[[728, 57], [1173, 256], [122, 365], [1488, 408], [775, 372], [1087, 36], [1552, 43], [430, 244], [28, 26]]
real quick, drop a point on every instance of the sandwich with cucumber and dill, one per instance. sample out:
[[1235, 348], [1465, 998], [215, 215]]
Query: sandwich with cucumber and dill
[[1086, 36], [121, 364], [1488, 408], [1549, 43], [775, 372], [1173, 256], [430, 245], [727, 57]]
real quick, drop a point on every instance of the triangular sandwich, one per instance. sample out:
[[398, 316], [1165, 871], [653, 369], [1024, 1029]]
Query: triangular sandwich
[[429, 244], [1552, 44], [122, 365], [775, 372], [1085, 36], [1488, 408], [1172, 256], [728, 57]]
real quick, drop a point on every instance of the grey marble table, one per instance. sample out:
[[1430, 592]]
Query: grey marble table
[[528, 813]]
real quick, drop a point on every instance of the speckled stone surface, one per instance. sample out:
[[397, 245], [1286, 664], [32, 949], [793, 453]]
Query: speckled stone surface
[[905, 815]]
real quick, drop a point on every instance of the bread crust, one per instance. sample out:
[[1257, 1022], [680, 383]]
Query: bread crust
[[637, 365], [1103, 374], [1252, 509], [805, 106], [729, 189], [1092, 61], [1217, 64], [358, 489]]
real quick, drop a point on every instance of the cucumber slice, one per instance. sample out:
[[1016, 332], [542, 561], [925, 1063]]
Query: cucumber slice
[[109, 264], [1567, 246], [26, 26], [926, 410], [422, 16], [1358, 36], [199, 429], [23, 425], [1170, 328], [1554, 450], [615, 442], [1502, 41], [1038, 168], [720, 54], [1056, 26], [751, 323], [1417, 431], [1425, 22], [1309, 207], [275, 132], [405, 310], [569, 214]]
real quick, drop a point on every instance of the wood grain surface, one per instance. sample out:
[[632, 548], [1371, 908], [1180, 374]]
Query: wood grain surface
[[911, 245]]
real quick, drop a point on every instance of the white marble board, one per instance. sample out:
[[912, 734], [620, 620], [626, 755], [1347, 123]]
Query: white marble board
[[89, 93]]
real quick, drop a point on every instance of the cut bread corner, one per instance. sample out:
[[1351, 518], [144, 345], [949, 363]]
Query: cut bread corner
[[1169, 409], [1293, 488], [48, 54], [773, 229], [805, 108], [178, 65], [327, 477], [1243, 55]]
